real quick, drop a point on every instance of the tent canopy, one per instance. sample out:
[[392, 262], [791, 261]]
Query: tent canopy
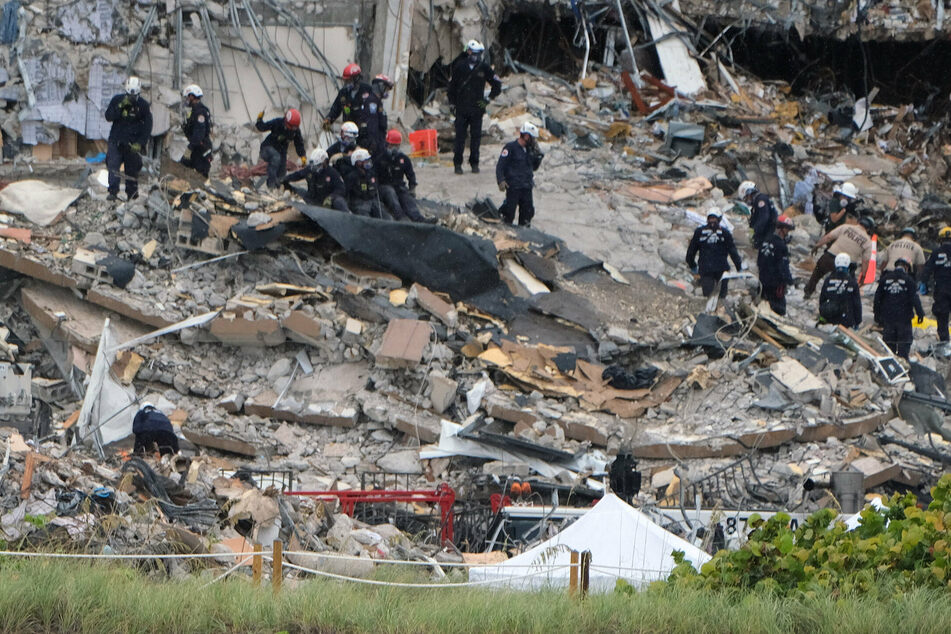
[[624, 544]]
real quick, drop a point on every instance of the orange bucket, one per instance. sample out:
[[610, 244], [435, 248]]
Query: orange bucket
[[423, 143]]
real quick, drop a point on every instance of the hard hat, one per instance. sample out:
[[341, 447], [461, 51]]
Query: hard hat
[[317, 156], [292, 118], [746, 188], [475, 46], [393, 137], [945, 232], [349, 129], [529, 128], [785, 221], [133, 86], [714, 211], [910, 231], [383, 78], [352, 70], [903, 261], [359, 155], [842, 261], [193, 90], [147, 404], [868, 223], [847, 189]]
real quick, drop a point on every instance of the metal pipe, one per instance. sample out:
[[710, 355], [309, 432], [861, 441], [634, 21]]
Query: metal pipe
[[636, 75], [587, 46]]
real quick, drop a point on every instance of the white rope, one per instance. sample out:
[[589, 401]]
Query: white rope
[[20, 553], [226, 573], [405, 562]]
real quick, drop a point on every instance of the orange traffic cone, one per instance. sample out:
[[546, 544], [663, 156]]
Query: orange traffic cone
[[870, 273]]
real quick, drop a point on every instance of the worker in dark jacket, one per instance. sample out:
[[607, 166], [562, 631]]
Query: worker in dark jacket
[[844, 201], [153, 432], [131, 118], [341, 149], [197, 128], [714, 244], [283, 130], [467, 79], [398, 180], [363, 196], [839, 300], [773, 264], [762, 212], [325, 186], [896, 302], [372, 118], [939, 265], [514, 173], [350, 98]]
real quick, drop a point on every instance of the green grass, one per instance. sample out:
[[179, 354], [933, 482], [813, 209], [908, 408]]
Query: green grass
[[43, 596]]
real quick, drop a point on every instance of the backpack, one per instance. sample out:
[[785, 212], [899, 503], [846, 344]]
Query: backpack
[[833, 307]]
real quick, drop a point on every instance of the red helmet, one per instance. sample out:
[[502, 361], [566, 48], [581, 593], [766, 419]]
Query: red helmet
[[383, 78], [785, 221], [292, 118], [351, 71], [393, 137]]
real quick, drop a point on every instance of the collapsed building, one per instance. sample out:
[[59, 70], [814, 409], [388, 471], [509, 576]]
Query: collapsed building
[[301, 350]]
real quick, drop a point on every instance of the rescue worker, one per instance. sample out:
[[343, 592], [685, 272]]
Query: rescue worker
[[350, 98], [840, 301], [197, 128], [773, 264], [852, 238], [153, 432], [362, 194], [762, 212], [939, 265], [714, 244], [341, 149], [844, 198], [514, 173], [372, 118], [283, 130], [131, 118], [904, 247], [325, 186], [467, 79], [398, 180], [896, 301]]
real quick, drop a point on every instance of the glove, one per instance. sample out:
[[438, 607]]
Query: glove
[[303, 161], [135, 147], [922, 288], [412, 191], [503, 186], [327, 124], [286, 184], [483, 104], [695, 270], [920, 320], [452, 110], [260, 115]]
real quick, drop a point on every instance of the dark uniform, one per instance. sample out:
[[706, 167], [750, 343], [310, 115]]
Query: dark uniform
[[342, 164], [939, 265], [397, 178], [274, 147], [896, 302], [349, 102], [774, 275], [838, 206], [362, 193], [839, 300], [325, 187], [131, 119], [713, 246], [371, 120], [153, 430], [515, 168], [762, 219], [197, 128], [467, 94]]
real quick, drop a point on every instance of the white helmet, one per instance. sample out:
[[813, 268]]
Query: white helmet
[[359, 155], [133, 86], [714, 211], [349, 129], [842, 261], [746, 188], [317, 156], [193, 90], [529, 128], [848, 190], [475, 46]]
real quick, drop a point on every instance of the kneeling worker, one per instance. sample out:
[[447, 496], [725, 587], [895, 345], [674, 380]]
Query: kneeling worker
[[153, 432], [283, 131], [396, 172], [325, 186]]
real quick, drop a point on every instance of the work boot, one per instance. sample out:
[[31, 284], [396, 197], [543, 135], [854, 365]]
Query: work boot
[[430, 221], [459, 169], [112, 197], [943, 349], [475, 169]]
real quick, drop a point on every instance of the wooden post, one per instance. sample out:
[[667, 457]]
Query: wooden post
[[27, 481], [585, 570], [277, 564], [573, 574], [256, 565]]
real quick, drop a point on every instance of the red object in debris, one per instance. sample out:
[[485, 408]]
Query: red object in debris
[[444, 496], [497, 501], [424, 143]]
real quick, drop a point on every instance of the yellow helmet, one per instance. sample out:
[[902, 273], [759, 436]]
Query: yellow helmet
[[945, 232]]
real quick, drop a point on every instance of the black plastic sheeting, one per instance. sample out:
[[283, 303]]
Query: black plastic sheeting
[[465, 267], [252, 239], [121, 271]]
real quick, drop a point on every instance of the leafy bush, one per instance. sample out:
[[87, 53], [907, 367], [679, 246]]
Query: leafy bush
[[901, 546]]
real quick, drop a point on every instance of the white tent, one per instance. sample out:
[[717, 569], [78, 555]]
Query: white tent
[[624, 544]]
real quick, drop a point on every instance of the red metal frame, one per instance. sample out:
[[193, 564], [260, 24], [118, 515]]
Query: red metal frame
[[444, 496]]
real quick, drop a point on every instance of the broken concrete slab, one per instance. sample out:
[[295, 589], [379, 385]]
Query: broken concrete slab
[[442, 391], [401, 462], [303, 328], [244, 329], [403, 344], [434, 305]]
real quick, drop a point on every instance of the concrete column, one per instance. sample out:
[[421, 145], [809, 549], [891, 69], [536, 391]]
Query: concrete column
[[393, 26]]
